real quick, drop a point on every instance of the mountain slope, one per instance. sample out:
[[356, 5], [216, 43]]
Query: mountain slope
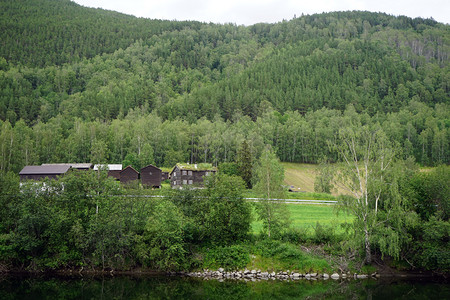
[[40, 33], [73, 78]]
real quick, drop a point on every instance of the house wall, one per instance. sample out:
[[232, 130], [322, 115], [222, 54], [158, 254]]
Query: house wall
[[187, 177], [115, 174], [151, 176], [128, 175], [38, 177], [175, 177]]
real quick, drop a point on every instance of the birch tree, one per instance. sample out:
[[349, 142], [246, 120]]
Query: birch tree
[[366, 155], [271, 207]]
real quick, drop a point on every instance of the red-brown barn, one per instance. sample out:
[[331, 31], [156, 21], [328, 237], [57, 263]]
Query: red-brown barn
[[128, 175], [151, 176]]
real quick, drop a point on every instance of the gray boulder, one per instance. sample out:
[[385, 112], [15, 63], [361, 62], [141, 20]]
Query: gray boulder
[[335, 276]]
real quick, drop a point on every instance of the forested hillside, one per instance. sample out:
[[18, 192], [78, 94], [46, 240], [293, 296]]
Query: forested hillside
[[76, 79]]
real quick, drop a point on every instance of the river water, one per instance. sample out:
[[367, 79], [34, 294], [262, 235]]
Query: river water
[[160, 287]]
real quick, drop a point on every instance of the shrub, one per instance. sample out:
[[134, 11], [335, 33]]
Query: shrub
[[162, 245], [233, 257], [323, 234], [276, 255], [273, 248], [433, 252], [295, 235]]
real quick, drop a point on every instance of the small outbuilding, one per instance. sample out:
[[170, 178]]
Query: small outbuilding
[[187, 174], [151, 176], [128, 175], [113, 169], [165, 173], [42, 172]]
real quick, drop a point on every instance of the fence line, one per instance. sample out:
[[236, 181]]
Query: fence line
[[297, 201]]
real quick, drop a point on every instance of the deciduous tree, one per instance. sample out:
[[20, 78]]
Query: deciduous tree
[[366, 156], [271, 208]]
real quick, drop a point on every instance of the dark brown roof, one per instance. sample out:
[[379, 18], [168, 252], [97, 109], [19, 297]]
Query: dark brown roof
[[72, 165], [51, 169], [129, 167], [151, 166]]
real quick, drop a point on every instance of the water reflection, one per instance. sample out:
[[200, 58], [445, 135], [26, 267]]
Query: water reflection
[[14, 287]]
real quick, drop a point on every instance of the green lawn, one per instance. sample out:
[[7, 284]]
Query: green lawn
[[305, 216]]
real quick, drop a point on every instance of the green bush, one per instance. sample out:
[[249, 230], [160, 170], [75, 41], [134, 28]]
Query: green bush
[[233, 257], [433, 252], [228, 214], [162, 244], [276, 255], [283, 251], [295, 235], [323, 234]]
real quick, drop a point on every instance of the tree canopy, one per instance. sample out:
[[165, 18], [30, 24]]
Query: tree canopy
[[167, 91]]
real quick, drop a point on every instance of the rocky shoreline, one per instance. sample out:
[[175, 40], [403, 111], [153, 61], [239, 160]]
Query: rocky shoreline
[[253, 275]]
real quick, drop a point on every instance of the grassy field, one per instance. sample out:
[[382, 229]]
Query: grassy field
[[304, 216], [301, 176]]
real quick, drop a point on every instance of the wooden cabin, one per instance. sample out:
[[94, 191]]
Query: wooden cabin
[[151, 176], [128, 175], [113, 169], [192, 175], [42, 172]]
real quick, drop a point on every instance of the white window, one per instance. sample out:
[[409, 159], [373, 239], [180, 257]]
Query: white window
[[190, 181], [190, 173], [207, 173], [184, 181], [183, 173]]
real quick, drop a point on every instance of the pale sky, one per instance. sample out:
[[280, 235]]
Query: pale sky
[[248, 12]]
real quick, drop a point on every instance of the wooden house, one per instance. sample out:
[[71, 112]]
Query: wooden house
[[192, 175], [113, 169], [128, 175], [151, 176], [42, 172]]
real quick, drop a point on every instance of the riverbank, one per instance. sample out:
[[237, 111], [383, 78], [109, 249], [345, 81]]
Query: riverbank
[[383, 272], [260, 260], [281, 275]]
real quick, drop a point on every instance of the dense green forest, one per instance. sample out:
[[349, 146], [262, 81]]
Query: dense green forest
[[74, 78]]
